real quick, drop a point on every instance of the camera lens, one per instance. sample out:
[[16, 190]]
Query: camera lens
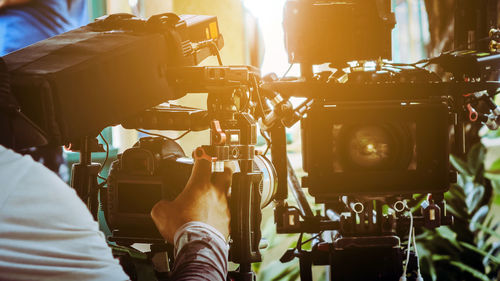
[[370, 146], [375, 147]]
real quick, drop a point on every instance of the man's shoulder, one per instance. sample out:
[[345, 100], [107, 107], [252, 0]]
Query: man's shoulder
[[21, 174], [47, 232], [13, 168]]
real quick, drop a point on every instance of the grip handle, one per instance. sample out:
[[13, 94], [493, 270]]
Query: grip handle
[[246, 215]]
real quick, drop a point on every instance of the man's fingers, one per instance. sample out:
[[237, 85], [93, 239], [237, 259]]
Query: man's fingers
[[201, 173], [223, 180], [158, 214]]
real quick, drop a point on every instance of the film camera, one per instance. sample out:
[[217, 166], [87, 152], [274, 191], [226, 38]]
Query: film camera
[[374, 133]]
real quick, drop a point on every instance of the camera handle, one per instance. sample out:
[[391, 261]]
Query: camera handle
[[84, 174], [246, 217], [233, 137]]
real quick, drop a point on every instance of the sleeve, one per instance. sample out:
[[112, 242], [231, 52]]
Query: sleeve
[[201, 253]]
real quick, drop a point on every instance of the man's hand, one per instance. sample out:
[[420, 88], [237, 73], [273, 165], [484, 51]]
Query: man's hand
[[204, 199]]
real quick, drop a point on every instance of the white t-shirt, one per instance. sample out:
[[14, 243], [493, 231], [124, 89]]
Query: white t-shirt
[[46, 231]]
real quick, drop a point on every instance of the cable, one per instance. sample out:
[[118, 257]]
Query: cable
[[267, 139], [182, 135], [262, 113], [215, 50], [288, 70], [267, 148], [164, 137], [312, 238], [408, 64], [299, 242], [105, 159], [419, 275], [403, 277], [259, 100]]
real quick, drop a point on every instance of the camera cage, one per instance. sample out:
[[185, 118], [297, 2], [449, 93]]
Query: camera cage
[[356, 214]]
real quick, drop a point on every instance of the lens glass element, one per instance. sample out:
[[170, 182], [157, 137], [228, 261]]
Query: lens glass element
[[370, 146]]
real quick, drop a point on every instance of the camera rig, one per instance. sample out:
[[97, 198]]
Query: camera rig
[[372, 135], [365, 236], [233, 135]]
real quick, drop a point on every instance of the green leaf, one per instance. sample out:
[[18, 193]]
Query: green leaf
[[488, 230], [278, 271], [478, 217], [460, 165], [493, 175], [430, 265], [479, 251], [474, 197], [495, 166], [449, 235], [440, 257], [493, 252], [475, 158], [476, 273], [495, 183], [492, 134]]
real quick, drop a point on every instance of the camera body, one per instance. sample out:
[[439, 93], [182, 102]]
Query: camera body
[[152, 170], [376, 148]]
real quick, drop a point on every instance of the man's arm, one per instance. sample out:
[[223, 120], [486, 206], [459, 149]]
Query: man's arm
[[197, 222], [200, 253]]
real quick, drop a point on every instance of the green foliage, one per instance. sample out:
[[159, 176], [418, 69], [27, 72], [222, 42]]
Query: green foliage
[[271, 269], [468, 249]]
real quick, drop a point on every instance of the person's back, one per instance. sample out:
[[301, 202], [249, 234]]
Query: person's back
[[23, 23], [46, 232]]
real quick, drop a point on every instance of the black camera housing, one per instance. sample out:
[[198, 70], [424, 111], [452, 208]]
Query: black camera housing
[[416, 137], [152, 170]]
